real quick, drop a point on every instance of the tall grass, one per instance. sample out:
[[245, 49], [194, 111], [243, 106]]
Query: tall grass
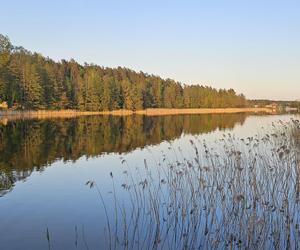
[[236, 193], [8, 115]]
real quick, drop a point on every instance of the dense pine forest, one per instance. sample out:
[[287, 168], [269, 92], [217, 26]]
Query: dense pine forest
[[31, 81]]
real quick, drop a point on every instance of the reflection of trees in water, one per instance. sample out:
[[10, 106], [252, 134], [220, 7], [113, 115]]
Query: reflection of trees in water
[[7, 180], [29, 144]]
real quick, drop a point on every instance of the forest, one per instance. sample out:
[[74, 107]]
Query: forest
[[31, 81]]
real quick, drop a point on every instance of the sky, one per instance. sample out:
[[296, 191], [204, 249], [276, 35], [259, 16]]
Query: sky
[[251, 46]]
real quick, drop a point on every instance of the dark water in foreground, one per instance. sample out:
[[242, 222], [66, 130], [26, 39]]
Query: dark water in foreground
[[45, 164]]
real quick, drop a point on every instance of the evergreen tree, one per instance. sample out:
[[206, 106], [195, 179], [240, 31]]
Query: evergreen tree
[[31, 88]]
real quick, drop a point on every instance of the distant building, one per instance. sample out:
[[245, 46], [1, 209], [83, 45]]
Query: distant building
[[272, 106], [288, 109]]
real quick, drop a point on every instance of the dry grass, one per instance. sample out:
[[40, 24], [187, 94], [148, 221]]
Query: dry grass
[[42, 114], [239, 193], [154, 112]]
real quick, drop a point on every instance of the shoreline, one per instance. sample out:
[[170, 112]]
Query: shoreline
[[187, 111], [42, 114]]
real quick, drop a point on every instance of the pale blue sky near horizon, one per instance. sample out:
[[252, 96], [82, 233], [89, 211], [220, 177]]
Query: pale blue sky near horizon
[[251, 46]]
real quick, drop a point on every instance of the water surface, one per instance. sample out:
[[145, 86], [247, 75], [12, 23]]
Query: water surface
[[45, 164]]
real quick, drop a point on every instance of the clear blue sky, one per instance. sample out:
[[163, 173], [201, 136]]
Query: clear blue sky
[[251, 46]]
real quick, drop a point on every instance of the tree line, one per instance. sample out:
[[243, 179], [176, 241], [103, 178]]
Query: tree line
[[31, 81], [265, 102]]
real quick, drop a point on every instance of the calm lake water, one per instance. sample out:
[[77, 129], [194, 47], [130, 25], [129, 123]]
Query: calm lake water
[[45, 165]]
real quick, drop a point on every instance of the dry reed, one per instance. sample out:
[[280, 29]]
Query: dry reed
[[237, 194]]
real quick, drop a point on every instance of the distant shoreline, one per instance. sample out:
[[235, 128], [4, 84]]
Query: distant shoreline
[[40, 114]]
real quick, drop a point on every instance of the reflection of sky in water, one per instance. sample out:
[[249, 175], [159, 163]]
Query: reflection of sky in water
[[58, 199]]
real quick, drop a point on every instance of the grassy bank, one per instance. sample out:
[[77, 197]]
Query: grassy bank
[[154, 112], [13, 114]]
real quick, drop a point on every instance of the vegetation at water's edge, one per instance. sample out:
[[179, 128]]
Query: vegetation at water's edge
[[32, 81], [240, 193]]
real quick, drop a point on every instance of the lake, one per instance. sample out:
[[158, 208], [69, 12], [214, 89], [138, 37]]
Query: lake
[[78, 183]]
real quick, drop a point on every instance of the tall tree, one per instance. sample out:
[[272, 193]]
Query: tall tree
[[5, 50]]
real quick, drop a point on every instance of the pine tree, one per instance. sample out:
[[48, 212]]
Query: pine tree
[[5, 50], [31, 88]]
